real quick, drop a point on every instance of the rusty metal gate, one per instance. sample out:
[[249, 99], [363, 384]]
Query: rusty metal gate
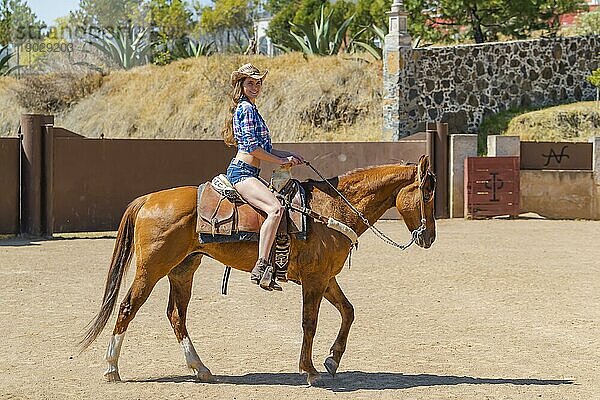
[[491, 186]]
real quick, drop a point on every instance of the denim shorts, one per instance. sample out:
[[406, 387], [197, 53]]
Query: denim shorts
[[239, 170]]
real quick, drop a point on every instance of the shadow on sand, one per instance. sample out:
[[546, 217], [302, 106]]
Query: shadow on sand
[[356, 380], [20, 241]]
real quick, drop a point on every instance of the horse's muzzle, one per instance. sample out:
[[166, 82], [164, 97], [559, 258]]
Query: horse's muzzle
[[425, 240]]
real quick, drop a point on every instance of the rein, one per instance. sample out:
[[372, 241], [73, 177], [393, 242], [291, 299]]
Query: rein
[[414, 234]]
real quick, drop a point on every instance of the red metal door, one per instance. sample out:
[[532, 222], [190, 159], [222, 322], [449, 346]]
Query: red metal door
[[491, 186]]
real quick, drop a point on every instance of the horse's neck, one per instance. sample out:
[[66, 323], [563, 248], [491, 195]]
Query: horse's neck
[[372, 191]]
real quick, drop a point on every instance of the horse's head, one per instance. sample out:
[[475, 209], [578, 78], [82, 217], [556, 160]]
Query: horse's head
[[415, 203]]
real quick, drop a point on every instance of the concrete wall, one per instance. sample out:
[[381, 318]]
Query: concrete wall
[[462, 84], [557, 194]]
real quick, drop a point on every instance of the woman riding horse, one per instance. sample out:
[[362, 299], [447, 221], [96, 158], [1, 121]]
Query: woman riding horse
[[246, 129]]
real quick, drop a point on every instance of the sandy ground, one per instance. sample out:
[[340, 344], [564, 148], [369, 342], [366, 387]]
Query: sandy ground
[[496, 309]]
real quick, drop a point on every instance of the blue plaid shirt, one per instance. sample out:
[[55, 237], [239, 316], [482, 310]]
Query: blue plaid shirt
[[249, 128]]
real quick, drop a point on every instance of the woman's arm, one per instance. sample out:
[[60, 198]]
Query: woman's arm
[[285, 154], [274, 157]]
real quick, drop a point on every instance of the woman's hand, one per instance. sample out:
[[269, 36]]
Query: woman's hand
[[299, 157], [291, 160]]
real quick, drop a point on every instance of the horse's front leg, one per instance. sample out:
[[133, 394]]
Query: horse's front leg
[[336, 297], [312, 294]]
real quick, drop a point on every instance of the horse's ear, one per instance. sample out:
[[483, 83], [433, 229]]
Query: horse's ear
[[423, 166]]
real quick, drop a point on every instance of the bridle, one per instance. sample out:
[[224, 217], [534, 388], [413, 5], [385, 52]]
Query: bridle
[[414, 234]]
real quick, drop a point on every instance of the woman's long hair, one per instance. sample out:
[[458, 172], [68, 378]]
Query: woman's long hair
[[227, 130]]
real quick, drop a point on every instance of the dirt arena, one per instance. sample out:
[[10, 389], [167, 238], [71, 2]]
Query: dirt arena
[[500, 309]]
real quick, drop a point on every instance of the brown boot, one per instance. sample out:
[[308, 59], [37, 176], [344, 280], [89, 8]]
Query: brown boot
[[267, 281], [258, 270], [262, 274]]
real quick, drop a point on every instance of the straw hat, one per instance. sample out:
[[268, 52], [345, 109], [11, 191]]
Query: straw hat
[[247, 71]]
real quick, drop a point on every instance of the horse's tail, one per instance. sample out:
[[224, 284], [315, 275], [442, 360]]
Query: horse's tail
[[121, 259]]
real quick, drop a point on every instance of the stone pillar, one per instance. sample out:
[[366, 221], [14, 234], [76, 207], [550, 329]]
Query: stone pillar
[[461, 147], [397, 41], [596, 172], [498, 146]]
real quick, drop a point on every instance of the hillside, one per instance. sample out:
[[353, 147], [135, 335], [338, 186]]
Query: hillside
[[316, 99], [570, 122]]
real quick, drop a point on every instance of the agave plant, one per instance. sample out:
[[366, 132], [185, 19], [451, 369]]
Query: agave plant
[[124, 47], [319, 39], [5, 57], [190, 48], [370, 47]]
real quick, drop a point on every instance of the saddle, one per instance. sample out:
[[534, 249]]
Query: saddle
[[223, 216]]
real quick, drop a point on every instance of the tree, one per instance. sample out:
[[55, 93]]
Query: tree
[[486, 20], [18, 23], [172, 21], [373, 12], [279, 26], [227, 21], [5, 23], [106, 13], [170, 17], [589, 23]]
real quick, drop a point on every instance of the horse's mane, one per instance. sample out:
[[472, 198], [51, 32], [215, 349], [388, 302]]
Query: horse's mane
[[363, 174], [361, 170]]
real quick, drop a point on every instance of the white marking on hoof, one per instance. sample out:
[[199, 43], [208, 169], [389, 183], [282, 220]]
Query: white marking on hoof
[[112, 376], [192, 360], [112, 357]]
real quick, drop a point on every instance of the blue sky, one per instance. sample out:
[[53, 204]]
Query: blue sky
[[47, 11]]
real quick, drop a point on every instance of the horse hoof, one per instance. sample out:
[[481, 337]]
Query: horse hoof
[[331, 365], [313, 379], [112, 376], [205, 377]]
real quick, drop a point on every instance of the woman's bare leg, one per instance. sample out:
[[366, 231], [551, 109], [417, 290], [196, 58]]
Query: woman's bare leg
[[259, 196]]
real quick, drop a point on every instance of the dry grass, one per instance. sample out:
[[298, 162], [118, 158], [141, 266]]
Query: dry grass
[[569, 122], [56, 92], [330, 99], [10, 110]]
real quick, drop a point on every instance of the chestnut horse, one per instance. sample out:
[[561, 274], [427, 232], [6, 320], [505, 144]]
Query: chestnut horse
[[161, 228]]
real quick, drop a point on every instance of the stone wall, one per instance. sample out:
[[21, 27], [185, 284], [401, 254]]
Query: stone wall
[[462, 84]]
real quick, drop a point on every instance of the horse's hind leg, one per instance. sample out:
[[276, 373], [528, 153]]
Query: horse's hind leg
[[312, 294], [336, 297], [180, 279], [136, 296]]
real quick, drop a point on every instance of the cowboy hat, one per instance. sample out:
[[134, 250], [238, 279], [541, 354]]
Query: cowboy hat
[[247, 71]]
